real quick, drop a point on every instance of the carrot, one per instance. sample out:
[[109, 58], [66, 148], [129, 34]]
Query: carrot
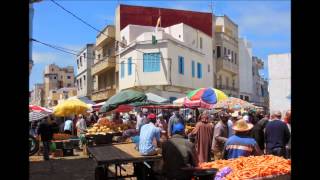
[[252, 166]]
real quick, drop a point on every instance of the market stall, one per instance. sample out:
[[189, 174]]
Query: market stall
[[252, 168], [118, 154]]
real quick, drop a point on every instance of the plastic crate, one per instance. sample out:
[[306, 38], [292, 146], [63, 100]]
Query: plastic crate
[[103, 139], [68, 152]]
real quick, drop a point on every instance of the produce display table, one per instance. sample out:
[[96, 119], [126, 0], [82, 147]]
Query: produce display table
[[118, 154]]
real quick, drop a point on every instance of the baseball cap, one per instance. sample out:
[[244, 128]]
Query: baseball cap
[[178, 128], [151, 116]]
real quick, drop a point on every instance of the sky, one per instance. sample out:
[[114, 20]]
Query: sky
[[266, 24]]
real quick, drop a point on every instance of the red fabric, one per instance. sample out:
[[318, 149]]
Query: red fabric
[[124, 108], [148, 16]]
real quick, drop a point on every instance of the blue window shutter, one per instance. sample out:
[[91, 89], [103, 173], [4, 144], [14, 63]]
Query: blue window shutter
[[199, 70], [193, 69], [122, 69], [130, 66], [181, 65], [151, 62]]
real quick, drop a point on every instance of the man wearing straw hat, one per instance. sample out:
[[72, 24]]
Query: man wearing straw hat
[[241, 144]]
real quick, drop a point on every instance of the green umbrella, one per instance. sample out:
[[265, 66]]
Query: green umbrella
[[124, 97]]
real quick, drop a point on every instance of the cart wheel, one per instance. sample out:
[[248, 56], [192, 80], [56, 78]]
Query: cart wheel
[[100, 173], [33, 145]]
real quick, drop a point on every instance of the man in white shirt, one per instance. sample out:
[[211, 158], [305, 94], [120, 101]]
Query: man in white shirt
[[68, 127]]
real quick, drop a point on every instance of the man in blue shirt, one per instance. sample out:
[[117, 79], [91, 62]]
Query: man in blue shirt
[[148, 133], [277, 135], [241, 144], [68, 127]]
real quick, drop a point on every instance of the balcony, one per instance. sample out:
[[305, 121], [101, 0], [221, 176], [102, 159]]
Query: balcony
[[103, 94], [228, 90], [103, 65], [108, 35], [226, 65]]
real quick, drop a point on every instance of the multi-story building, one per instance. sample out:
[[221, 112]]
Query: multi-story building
[[245, 70], [227, 62], [37, 95], [182, 58], [103, 69], [260, 89], [85, 60], [279, 67], [56, 78], [180, 61], [59, 95]]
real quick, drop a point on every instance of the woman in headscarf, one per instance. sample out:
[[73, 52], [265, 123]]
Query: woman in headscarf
[[203, 133]]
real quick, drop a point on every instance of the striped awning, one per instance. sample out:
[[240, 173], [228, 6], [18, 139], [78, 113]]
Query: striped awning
[[35, 116]]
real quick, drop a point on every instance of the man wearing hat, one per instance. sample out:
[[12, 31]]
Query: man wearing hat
[[148, 133], [234, 117], [241, 144], [178, 153]]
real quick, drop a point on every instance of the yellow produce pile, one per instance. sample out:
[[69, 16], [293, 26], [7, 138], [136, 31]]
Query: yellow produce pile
[[188, 129], [106, 128], [252, 167]]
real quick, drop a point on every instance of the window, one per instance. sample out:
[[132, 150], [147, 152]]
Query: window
[[262, 91], [181, 65], [84, 55], [84, 77], [231, 56], [109, 52], [130, 66], [225, 51], [80, 83], [233, 83], [199, 66], [52, 69], [241, 96], [218, 51], [208, 67], [98, 56], [78, 63], [235, 58], [228, 51], [246, 98], [193, 69], [200, 42], [151, 62], [122, 69], [68, 77], [54, 77], [78, 86], [54, 91]]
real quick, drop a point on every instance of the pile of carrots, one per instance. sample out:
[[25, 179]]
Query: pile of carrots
[[252, 167]]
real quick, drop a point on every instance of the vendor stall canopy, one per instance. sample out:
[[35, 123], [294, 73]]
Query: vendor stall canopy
[[156, 98], [123, 97]]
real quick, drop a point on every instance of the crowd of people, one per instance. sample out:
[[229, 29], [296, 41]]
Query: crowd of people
[[221, 135]]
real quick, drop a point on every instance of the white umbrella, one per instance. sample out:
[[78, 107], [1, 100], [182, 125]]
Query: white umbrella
[[35, 116], [179, 101]]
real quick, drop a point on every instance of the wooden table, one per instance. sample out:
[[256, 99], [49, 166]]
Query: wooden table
[[118, 154]]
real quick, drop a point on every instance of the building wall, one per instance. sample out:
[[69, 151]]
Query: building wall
[[245, 68], [84, 71], [170, 48], [279, 66]]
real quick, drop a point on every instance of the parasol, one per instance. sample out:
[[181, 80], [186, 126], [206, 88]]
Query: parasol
[[70, 107], [204, 98], [35, 116], [233, 103], [123, 97], [35, 108]]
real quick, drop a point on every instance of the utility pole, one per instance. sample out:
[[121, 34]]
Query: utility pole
[[31, 13]]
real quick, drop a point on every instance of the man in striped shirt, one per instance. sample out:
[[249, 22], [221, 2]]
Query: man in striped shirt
[[241, 144]]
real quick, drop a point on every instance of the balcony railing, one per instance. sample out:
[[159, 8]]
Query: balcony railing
[[103, 65], [227, 88], [103, 94], [227, 66], [108, 34]]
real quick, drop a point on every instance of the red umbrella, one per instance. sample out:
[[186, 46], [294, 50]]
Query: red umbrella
[[38, 109]]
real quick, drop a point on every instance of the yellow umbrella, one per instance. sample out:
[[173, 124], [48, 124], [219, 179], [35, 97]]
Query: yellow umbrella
[[70, 107]]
